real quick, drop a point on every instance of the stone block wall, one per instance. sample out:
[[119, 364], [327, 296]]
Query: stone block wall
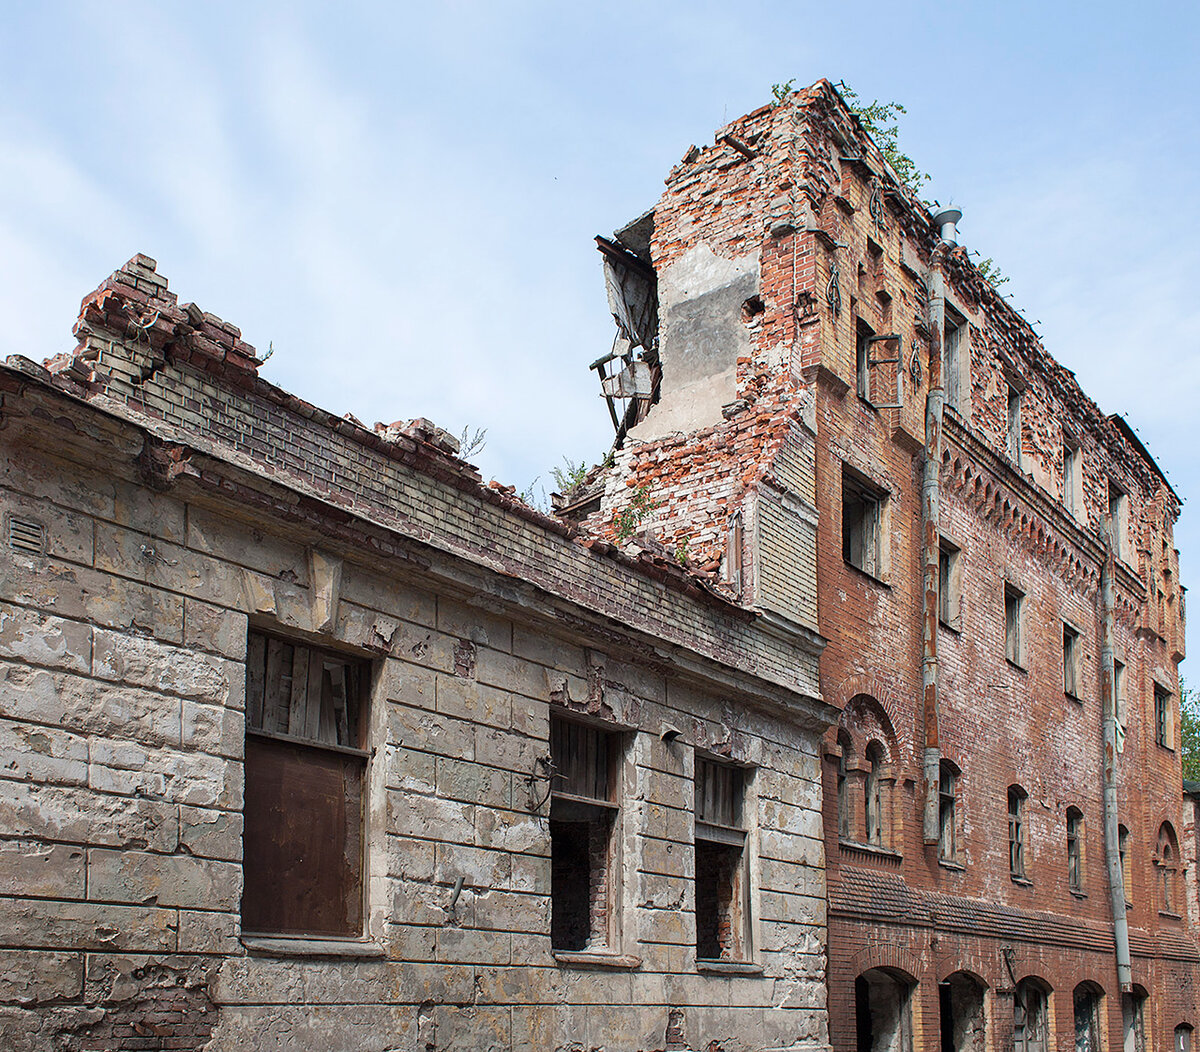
[[122, 723]]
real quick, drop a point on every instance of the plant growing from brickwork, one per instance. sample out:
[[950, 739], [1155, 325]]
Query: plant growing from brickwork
[[991, 272], [1189, 732], [629, 518], [681, 552], [570, 476], [879, 120], [471, 444]]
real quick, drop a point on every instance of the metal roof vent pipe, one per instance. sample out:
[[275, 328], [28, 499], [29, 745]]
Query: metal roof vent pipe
[[946, 222]]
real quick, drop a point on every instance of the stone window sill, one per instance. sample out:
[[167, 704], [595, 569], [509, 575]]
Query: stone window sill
[[1074, 697], [1017, 665], [620, 962], [1171, 915], [712, 966], [292, 946], [949, 863], [1078, 893], [1024, 882]]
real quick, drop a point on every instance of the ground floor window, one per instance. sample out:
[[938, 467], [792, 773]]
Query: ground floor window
[[1030, 1027]]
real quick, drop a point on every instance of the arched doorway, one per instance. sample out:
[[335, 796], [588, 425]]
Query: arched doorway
[[962, 1022], [883, 1011]]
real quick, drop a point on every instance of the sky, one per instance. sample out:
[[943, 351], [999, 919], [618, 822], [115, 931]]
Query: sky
[[399, 200]]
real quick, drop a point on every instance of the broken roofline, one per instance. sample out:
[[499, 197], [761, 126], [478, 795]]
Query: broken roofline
[[920, 220], [107, 328]]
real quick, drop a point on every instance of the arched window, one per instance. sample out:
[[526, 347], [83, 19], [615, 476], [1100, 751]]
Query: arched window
[[948, 811], [1133, 1020], [1016, 831], [1075, 848], [1167, 861], [1030, 1027], [1183, 1038], [873, 797]]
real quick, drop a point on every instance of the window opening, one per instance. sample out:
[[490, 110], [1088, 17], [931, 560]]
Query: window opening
[[1016, 832], [1133, 1021], [1087, 1018], [1116, 515], [1183, 1038], [1070, 659], [873, 797], [947, 811], [862, 355], [1030, 1030], [1070, 479], [1014, 425], [1162, 724], [305, 771], [582, 818], [956, 327], [1014, 601], [1123, 853], [1119, 703], [1075, 849], [1167, 861], [720, 844], [844, 751], [949, 584], [862, 511]]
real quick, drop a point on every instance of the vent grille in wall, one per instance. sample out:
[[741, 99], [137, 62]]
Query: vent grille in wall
[[25, 535]]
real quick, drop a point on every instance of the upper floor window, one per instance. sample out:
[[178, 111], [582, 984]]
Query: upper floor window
[[1016, 831], [305, 771], [1014, 609], [845, 823], [1070, 658], [1162, 717], [953, 344], [1075, 849], [949, 585], [862, 523], [1071, 479], [1123, 855], [1116, 518], [862, 359], [1014, 425], [873, 794], [1167, 861], [947, 811], [721, 864], [1119, 703]]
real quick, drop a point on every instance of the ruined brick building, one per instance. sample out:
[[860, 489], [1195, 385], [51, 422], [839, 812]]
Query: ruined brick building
[[789, 732], [826, 379], [311, 740]]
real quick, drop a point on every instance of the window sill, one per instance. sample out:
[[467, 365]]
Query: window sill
[[1074, 697], [1169, 915], [1024, 882], [620, 962], [1076, 893], [867, 575], [1017, 665], [949, 863], [711, 966], [869, 849], [298, 946], [950, 627]]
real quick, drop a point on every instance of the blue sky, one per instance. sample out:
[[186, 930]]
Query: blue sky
[[401, 199]]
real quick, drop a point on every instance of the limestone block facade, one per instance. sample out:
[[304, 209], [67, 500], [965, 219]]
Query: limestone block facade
[[311, 740], [879, 441]]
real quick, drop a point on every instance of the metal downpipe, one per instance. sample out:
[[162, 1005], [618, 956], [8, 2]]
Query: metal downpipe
[[1108, 706], [931, 546]]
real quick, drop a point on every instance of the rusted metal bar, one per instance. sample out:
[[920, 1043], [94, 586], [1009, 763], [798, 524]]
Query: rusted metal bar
[[931, 542], [1108, 708]]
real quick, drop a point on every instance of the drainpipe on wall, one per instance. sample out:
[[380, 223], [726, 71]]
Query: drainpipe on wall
[[930, 530], [1108, 706]]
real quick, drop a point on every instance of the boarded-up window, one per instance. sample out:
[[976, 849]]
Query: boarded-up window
[[305, 771], [582, 818], [721, 880]]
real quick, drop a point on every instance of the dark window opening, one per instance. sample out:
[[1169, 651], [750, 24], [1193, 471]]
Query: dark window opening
[[721, 878], [1014, 601], [862, 359], [947, 811], [949, 585], [1162, 708], [582, 818], [1087, 1018], [305, 775], [862, 512], [1030, 1030]]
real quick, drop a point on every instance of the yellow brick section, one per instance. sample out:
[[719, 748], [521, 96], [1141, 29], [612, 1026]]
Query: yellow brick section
[[787, 559]]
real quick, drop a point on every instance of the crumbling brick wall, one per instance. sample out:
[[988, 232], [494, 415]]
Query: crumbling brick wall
[[177, 501]]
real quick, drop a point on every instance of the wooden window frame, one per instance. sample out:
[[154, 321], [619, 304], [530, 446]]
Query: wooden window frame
[[306, 770], [863, 523], [1071, 645], [1014, 627], [720, 828], [1017, 836], [1075, 845]]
